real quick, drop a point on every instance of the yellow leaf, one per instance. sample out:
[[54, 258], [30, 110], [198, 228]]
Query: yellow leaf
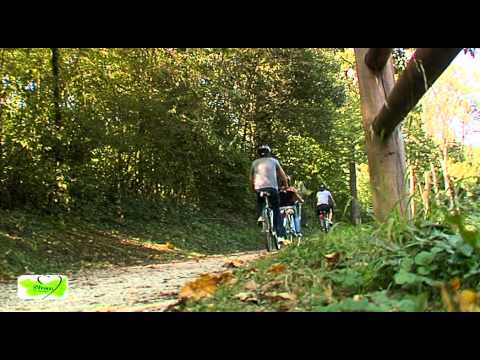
[[467, 300], [277, 268], [205, 285]]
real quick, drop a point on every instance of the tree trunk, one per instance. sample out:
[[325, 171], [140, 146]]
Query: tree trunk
[[446, 176], [56, 87], [56, 98], [413, 185], [435, 180], [355, 211], [386, 159], [3, 97], [426, 191]]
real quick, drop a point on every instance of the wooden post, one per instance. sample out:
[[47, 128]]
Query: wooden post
[[386, 160], [423, 69], [376, 58]]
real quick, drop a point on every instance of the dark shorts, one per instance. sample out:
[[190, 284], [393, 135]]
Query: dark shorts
[[323, 207]]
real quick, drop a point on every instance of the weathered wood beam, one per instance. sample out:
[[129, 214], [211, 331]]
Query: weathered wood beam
[[386, 159], [376, 58], [423, 69]]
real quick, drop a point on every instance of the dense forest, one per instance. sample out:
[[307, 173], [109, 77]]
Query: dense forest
[[105, 128], [85, 125]]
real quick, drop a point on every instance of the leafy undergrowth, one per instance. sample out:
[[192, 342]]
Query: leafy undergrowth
[[431, 264], [31, 242]]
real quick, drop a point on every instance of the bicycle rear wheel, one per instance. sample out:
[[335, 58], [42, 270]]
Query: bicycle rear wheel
[[323, 223], [290, 228], [270, 236]]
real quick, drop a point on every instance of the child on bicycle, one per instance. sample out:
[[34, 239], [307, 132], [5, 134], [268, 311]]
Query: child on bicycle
[[289, 196]]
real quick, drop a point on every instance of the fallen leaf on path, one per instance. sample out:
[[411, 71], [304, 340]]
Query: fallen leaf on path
[[235, 263], [246, 296], [164, 247], [277, 268], [251, 285], [274, 296], [332, 258], [205, 285], [227, 278], [269, 286], [167, 247]]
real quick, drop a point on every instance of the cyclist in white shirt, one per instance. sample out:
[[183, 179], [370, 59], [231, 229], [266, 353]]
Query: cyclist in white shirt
[[325, 202]]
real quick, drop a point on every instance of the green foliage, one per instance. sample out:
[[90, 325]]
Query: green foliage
[[397, 266], [156, 124], [101, 236]]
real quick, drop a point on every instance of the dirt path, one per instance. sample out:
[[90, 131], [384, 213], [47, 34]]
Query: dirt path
[[133, 288]]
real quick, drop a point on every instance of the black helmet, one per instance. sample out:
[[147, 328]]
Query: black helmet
[[322, 187], [264, 150]]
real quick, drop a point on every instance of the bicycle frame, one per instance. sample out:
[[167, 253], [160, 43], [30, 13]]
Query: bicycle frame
[[268, 224]]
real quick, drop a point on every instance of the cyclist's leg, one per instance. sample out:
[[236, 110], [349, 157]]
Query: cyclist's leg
[[277, 219], [260, 204]]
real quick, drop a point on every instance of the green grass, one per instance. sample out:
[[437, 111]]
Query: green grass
[[396, 266], [32, 242], [316, 284]]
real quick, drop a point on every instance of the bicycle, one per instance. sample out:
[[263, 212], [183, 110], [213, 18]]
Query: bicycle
[[324, 223], [288, 216], [268, 226]]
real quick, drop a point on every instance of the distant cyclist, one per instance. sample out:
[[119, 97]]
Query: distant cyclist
[[263, 177], [325, 202]]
